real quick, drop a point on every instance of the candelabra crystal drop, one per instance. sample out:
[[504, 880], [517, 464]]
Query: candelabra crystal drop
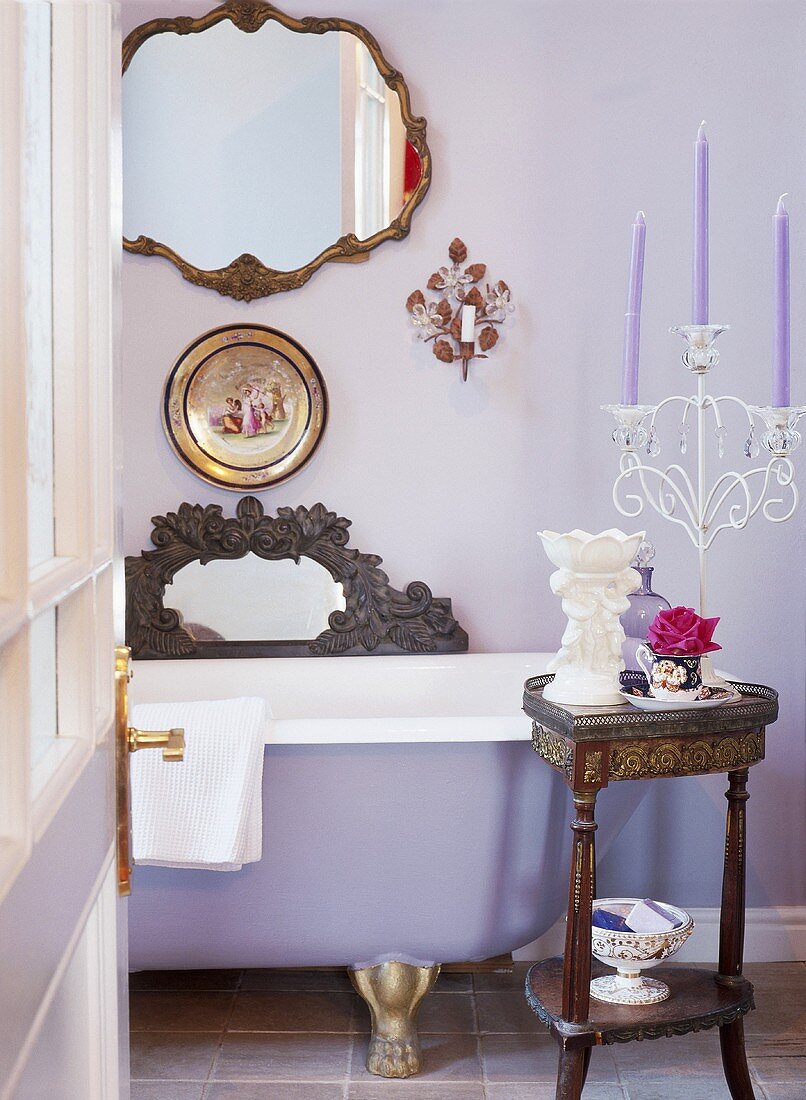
[[720, 433], [751, 444], [683, 438]]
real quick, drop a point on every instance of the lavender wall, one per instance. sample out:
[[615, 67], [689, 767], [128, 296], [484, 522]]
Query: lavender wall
[[550, 124]]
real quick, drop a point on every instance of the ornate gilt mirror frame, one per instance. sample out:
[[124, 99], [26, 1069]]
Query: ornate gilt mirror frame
[[247, 277], [376, 618]]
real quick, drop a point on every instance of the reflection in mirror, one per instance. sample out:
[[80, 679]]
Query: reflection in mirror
[[276, 143], [253, 598]]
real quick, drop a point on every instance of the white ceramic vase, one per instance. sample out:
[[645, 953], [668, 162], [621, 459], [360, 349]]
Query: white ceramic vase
[[594, 579]]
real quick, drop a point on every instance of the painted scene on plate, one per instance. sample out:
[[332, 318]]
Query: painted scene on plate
[[256, 408], [246, 400]]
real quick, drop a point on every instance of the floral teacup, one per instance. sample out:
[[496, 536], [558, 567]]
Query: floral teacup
[[670, 675]]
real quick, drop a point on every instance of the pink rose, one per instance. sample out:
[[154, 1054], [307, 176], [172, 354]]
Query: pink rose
[[682, 632]]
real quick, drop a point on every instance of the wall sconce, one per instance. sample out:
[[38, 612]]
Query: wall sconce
[[461, 320]]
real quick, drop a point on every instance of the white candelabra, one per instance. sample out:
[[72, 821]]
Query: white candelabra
[[734, 498]]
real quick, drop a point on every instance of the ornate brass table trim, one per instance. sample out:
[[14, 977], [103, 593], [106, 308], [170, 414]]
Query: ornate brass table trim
[[593, 766], [553, 748], [757, 707], [685, 756], [683, 1027]]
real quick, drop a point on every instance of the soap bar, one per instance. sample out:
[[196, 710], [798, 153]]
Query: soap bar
[[648, 916], [603, 918]]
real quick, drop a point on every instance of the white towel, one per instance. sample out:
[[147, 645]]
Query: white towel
[[205, 811]]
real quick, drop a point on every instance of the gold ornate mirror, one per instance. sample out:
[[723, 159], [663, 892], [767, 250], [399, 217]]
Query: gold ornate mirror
[[258, 146]]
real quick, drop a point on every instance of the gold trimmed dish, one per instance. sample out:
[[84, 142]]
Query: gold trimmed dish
[[709, 697], [631, 952], [244, 407]]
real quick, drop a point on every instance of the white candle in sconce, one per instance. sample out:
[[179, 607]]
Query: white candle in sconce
[[468, 324]]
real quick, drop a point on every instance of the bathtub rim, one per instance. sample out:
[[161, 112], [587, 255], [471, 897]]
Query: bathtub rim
[[492, 716]]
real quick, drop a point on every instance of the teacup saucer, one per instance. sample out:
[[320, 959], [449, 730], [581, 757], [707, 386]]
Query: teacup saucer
[[639, 697]]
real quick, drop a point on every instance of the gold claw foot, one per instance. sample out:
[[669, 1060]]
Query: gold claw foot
[[394, 991], [393, 1058]]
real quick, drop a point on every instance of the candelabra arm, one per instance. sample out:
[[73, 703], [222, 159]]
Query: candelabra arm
[[687, 402], [740, 514], [713, 404], [737, 520], [717, 401], [669, 493]]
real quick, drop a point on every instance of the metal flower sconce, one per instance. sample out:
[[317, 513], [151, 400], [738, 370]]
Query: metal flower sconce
[[452, 319]]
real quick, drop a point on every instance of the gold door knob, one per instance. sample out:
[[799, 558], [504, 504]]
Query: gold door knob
[[172, 742]]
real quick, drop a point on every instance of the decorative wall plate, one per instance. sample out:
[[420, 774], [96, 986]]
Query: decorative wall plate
[[244, 407]]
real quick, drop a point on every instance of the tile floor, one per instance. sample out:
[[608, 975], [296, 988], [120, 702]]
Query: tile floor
[[302, 1035]]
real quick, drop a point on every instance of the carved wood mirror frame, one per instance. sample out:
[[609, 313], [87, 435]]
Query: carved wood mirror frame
[[376, 619], [247, 277]]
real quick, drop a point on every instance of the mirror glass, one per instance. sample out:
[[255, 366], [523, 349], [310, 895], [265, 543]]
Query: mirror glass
[[254, 599], [274, 143]]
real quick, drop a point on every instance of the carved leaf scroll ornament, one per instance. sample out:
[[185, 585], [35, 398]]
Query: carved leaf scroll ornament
[[376, 617]]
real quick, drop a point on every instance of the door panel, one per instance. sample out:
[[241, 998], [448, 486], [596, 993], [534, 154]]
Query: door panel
[[79, 1027], [62, 966], [45, 911]]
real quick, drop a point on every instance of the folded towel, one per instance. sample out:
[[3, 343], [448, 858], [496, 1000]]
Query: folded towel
[[206, 811]]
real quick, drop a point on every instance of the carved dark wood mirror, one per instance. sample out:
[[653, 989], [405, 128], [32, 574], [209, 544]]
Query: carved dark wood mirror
[[258, 146], [273, 586]]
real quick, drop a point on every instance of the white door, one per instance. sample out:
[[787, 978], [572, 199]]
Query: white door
[[63, 1021]]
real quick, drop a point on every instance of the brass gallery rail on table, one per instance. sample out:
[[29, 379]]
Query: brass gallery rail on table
[[592, 748]]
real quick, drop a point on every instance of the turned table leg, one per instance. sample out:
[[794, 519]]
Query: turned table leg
[[573, 1065], [731, 933]]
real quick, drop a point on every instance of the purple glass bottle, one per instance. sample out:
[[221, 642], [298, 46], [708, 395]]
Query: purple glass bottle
[[644, 606]]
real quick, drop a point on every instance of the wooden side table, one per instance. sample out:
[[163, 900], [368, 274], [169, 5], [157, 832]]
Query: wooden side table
[[592, 748]]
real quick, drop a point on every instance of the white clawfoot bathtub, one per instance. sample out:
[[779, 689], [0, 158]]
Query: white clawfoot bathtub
[[405, 818]]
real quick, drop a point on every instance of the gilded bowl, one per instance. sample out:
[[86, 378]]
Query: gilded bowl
[[632, 952]]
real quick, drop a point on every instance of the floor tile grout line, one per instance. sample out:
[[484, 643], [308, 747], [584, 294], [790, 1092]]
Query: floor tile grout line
[[163, 1080], [297, 1031], [353, 1035], [242, 1081], [479, 1044], [349, 1073], [482, 1065], [220, 1046], [625, 1092]]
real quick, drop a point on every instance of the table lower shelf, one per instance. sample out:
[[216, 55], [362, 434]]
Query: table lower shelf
[[696, 1003]]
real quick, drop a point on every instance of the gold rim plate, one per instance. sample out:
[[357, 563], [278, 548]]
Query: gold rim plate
[[244, 407]]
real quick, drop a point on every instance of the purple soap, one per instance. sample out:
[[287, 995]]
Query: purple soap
[[648, 916], [603, 918]]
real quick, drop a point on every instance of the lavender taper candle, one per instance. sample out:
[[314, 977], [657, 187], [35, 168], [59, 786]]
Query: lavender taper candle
[[632, 317], [780, 347], [699, 275]]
